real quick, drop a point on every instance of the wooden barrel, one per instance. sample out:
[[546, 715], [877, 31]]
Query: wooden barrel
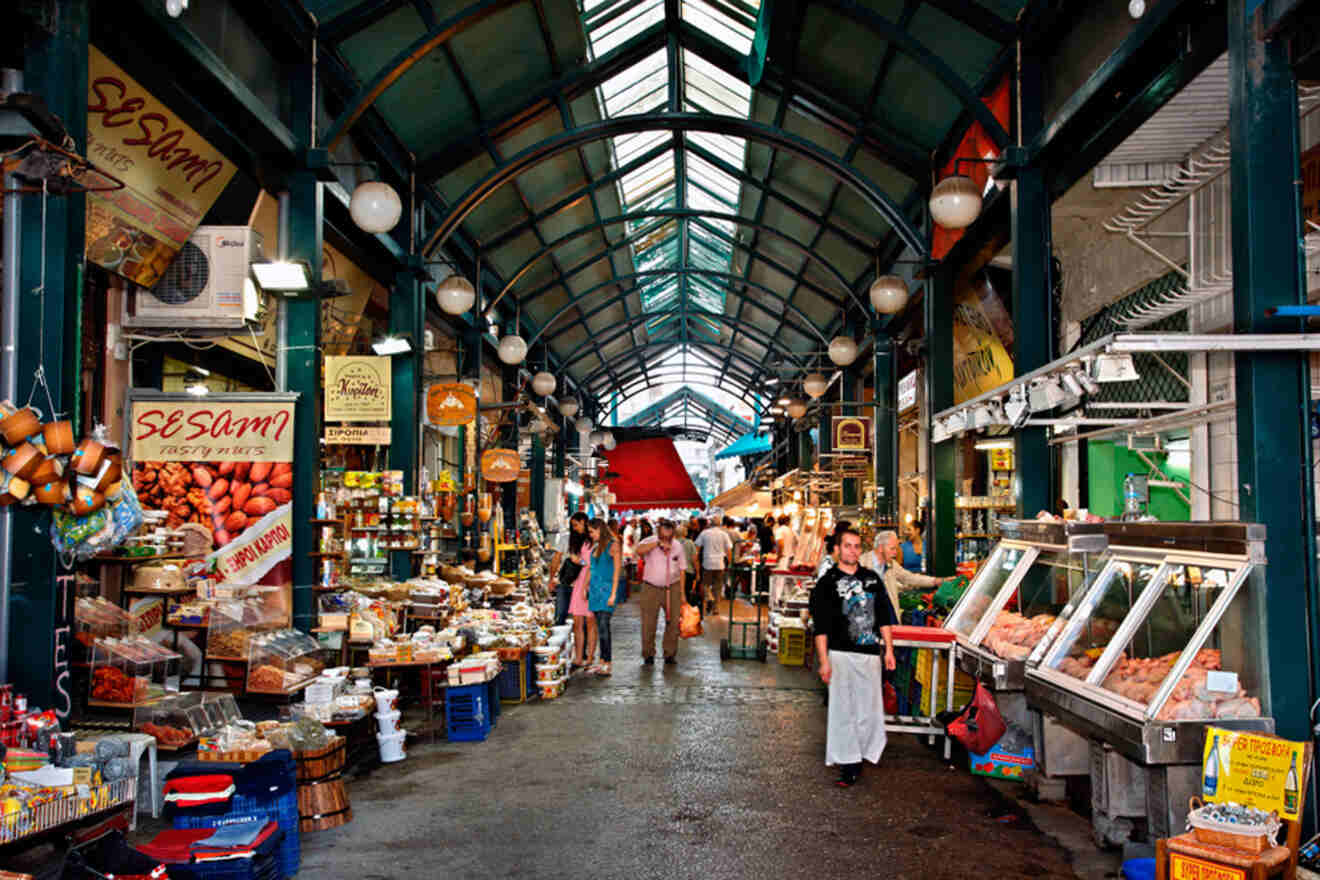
[[322, 798], [323, 805]]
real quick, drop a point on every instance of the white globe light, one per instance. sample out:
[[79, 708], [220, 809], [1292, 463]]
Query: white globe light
[[544, 383], [568, 407], [610, 442], [955, 202], [796, 408], [455, 295], [889, 294], [375, 206], [815, 385], [843, 350], [536, 427], [513, 349], [583, 425], [596, 438]]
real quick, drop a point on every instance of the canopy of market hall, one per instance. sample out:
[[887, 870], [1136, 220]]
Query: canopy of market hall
[[667, 192]]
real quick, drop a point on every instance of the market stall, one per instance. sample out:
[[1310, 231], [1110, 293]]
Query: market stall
[[1167, 640]]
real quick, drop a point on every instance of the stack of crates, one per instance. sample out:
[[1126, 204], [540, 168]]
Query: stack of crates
[[792, 645], [468, 712], [963, 684]]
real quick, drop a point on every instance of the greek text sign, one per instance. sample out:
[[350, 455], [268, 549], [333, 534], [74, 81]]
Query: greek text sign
[[357, 389]]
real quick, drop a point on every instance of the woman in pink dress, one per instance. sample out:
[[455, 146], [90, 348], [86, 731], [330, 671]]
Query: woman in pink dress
[[584, 622]]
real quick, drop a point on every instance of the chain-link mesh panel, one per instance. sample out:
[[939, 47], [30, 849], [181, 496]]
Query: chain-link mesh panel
[[1159, 381]]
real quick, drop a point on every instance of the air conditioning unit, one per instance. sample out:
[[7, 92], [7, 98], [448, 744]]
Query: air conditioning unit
[[206, 287]]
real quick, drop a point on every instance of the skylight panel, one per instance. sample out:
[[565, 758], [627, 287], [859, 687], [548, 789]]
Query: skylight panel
[[732, 23], [652, 177], [714, 90], [610, 24], [638, 88]]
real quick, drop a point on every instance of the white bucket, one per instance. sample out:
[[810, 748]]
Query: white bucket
[[388, 722], [386, 700], [392, 747]]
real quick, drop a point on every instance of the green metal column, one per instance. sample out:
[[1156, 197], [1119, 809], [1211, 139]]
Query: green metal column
[[938, 307], [885, 429], [536, 491], [55, 67], [405, 392], [1275, 481], [303, 368], [1032, 296], [848, 390]]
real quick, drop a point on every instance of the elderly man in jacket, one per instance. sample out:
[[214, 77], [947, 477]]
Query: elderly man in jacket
[[886, 561]]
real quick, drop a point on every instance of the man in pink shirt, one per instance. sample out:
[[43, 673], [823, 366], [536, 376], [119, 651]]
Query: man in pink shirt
[[662, 587]]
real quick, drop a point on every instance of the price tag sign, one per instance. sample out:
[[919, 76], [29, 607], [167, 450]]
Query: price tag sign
[[82, 775], [1186, 868]]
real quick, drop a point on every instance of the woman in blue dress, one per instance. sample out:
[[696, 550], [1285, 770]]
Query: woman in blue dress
[[603, 588]]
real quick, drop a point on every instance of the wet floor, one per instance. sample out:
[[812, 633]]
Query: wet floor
[[704, 769]]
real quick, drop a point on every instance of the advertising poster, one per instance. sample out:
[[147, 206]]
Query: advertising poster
[[222, 462], [357, 389], [172, 176], [1254, 769]]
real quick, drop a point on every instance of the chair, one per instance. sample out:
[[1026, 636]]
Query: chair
[[139, 743]]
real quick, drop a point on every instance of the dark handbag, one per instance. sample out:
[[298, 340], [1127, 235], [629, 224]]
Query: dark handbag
[[979, 726], [569, 570]]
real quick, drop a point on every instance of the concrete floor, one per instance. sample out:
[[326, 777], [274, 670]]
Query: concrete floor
[[706, 769]]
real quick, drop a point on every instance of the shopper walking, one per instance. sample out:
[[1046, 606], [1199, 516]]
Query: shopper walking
[[603, 590], [662, 588], [852, 615], [785, 540], [584, 624], [765, 534], [716, 549], [567, 549], [690, 583]]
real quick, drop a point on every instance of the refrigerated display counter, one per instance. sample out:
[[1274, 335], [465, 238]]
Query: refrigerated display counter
[[1167, 640], [1013, 605]]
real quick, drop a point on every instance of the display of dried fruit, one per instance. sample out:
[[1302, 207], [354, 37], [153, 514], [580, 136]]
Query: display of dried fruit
[[231, 643], [167, 736], [266, 678], [226, 496], [113, 685]]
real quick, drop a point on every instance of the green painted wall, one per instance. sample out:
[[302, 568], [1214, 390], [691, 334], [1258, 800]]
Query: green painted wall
[[1109, 463]]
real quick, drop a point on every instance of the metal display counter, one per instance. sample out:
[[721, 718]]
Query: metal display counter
[[1038, 568], [1167, 640]]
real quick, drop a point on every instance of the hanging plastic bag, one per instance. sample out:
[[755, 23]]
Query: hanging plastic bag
[[689, 621], [950, 592], [891, 699], [979, 726]]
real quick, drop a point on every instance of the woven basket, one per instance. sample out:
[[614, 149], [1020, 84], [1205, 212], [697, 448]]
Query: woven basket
[[1255, 843]]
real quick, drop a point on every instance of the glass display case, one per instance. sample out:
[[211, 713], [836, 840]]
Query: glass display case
[[1169, 637], [1013, 605], [175, 721], [133, 671], [282, 661], [234, 621]]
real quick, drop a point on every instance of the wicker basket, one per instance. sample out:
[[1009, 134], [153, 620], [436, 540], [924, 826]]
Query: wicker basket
[[1254, 841]]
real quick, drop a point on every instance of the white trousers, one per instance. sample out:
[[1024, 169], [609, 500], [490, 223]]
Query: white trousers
[[855, 730]]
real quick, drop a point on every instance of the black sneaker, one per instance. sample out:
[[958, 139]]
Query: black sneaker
[[848, 775], [670, 661], [648, 661]]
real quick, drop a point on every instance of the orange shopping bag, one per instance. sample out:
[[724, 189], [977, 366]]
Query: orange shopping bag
[[689, 622]]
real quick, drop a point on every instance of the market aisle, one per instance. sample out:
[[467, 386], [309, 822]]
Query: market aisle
[[700, 770]]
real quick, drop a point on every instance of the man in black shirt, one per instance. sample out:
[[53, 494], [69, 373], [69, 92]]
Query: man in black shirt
[[852, 616], [765, 534]]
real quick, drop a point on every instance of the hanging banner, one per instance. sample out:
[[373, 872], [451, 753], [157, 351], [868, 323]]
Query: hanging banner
[[265, 543], [1254, 769], [220, 463], [500, 465], [852, 433], [357, 435], [907, 391], [172, 176], [450, 403], [357, 389]]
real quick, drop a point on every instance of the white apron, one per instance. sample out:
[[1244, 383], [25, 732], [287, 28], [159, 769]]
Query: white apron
[[855, 730]]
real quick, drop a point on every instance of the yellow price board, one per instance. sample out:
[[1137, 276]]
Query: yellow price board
[[1254, 769], [1185, 868]]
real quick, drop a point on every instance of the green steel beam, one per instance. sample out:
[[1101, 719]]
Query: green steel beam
[[548, 149], [1276, 478], [406, 319], [1033, 292], [942, 474], [39, 615], [885, 370]]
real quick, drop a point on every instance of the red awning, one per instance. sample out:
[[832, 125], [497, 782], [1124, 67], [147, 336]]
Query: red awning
[[650, 475]]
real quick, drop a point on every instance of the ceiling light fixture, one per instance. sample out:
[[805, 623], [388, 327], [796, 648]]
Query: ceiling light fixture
[[797, 408], [583, 425], [815, 385], [568, 407], [543, 384], [1115, 368], [843, 350], [455, 295], [375, 207], [282, 276], [1084, 379], [1017, 408], [392, 345], [198, 389], [1003, 443], [1045, 394], [889, 293]]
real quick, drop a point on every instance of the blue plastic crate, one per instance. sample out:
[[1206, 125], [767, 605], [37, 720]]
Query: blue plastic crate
[[514, 685], [468, 712], [493, 700], [265, 865], [283, 809]]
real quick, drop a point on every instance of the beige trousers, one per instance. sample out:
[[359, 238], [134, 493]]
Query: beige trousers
[[653, 600]]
